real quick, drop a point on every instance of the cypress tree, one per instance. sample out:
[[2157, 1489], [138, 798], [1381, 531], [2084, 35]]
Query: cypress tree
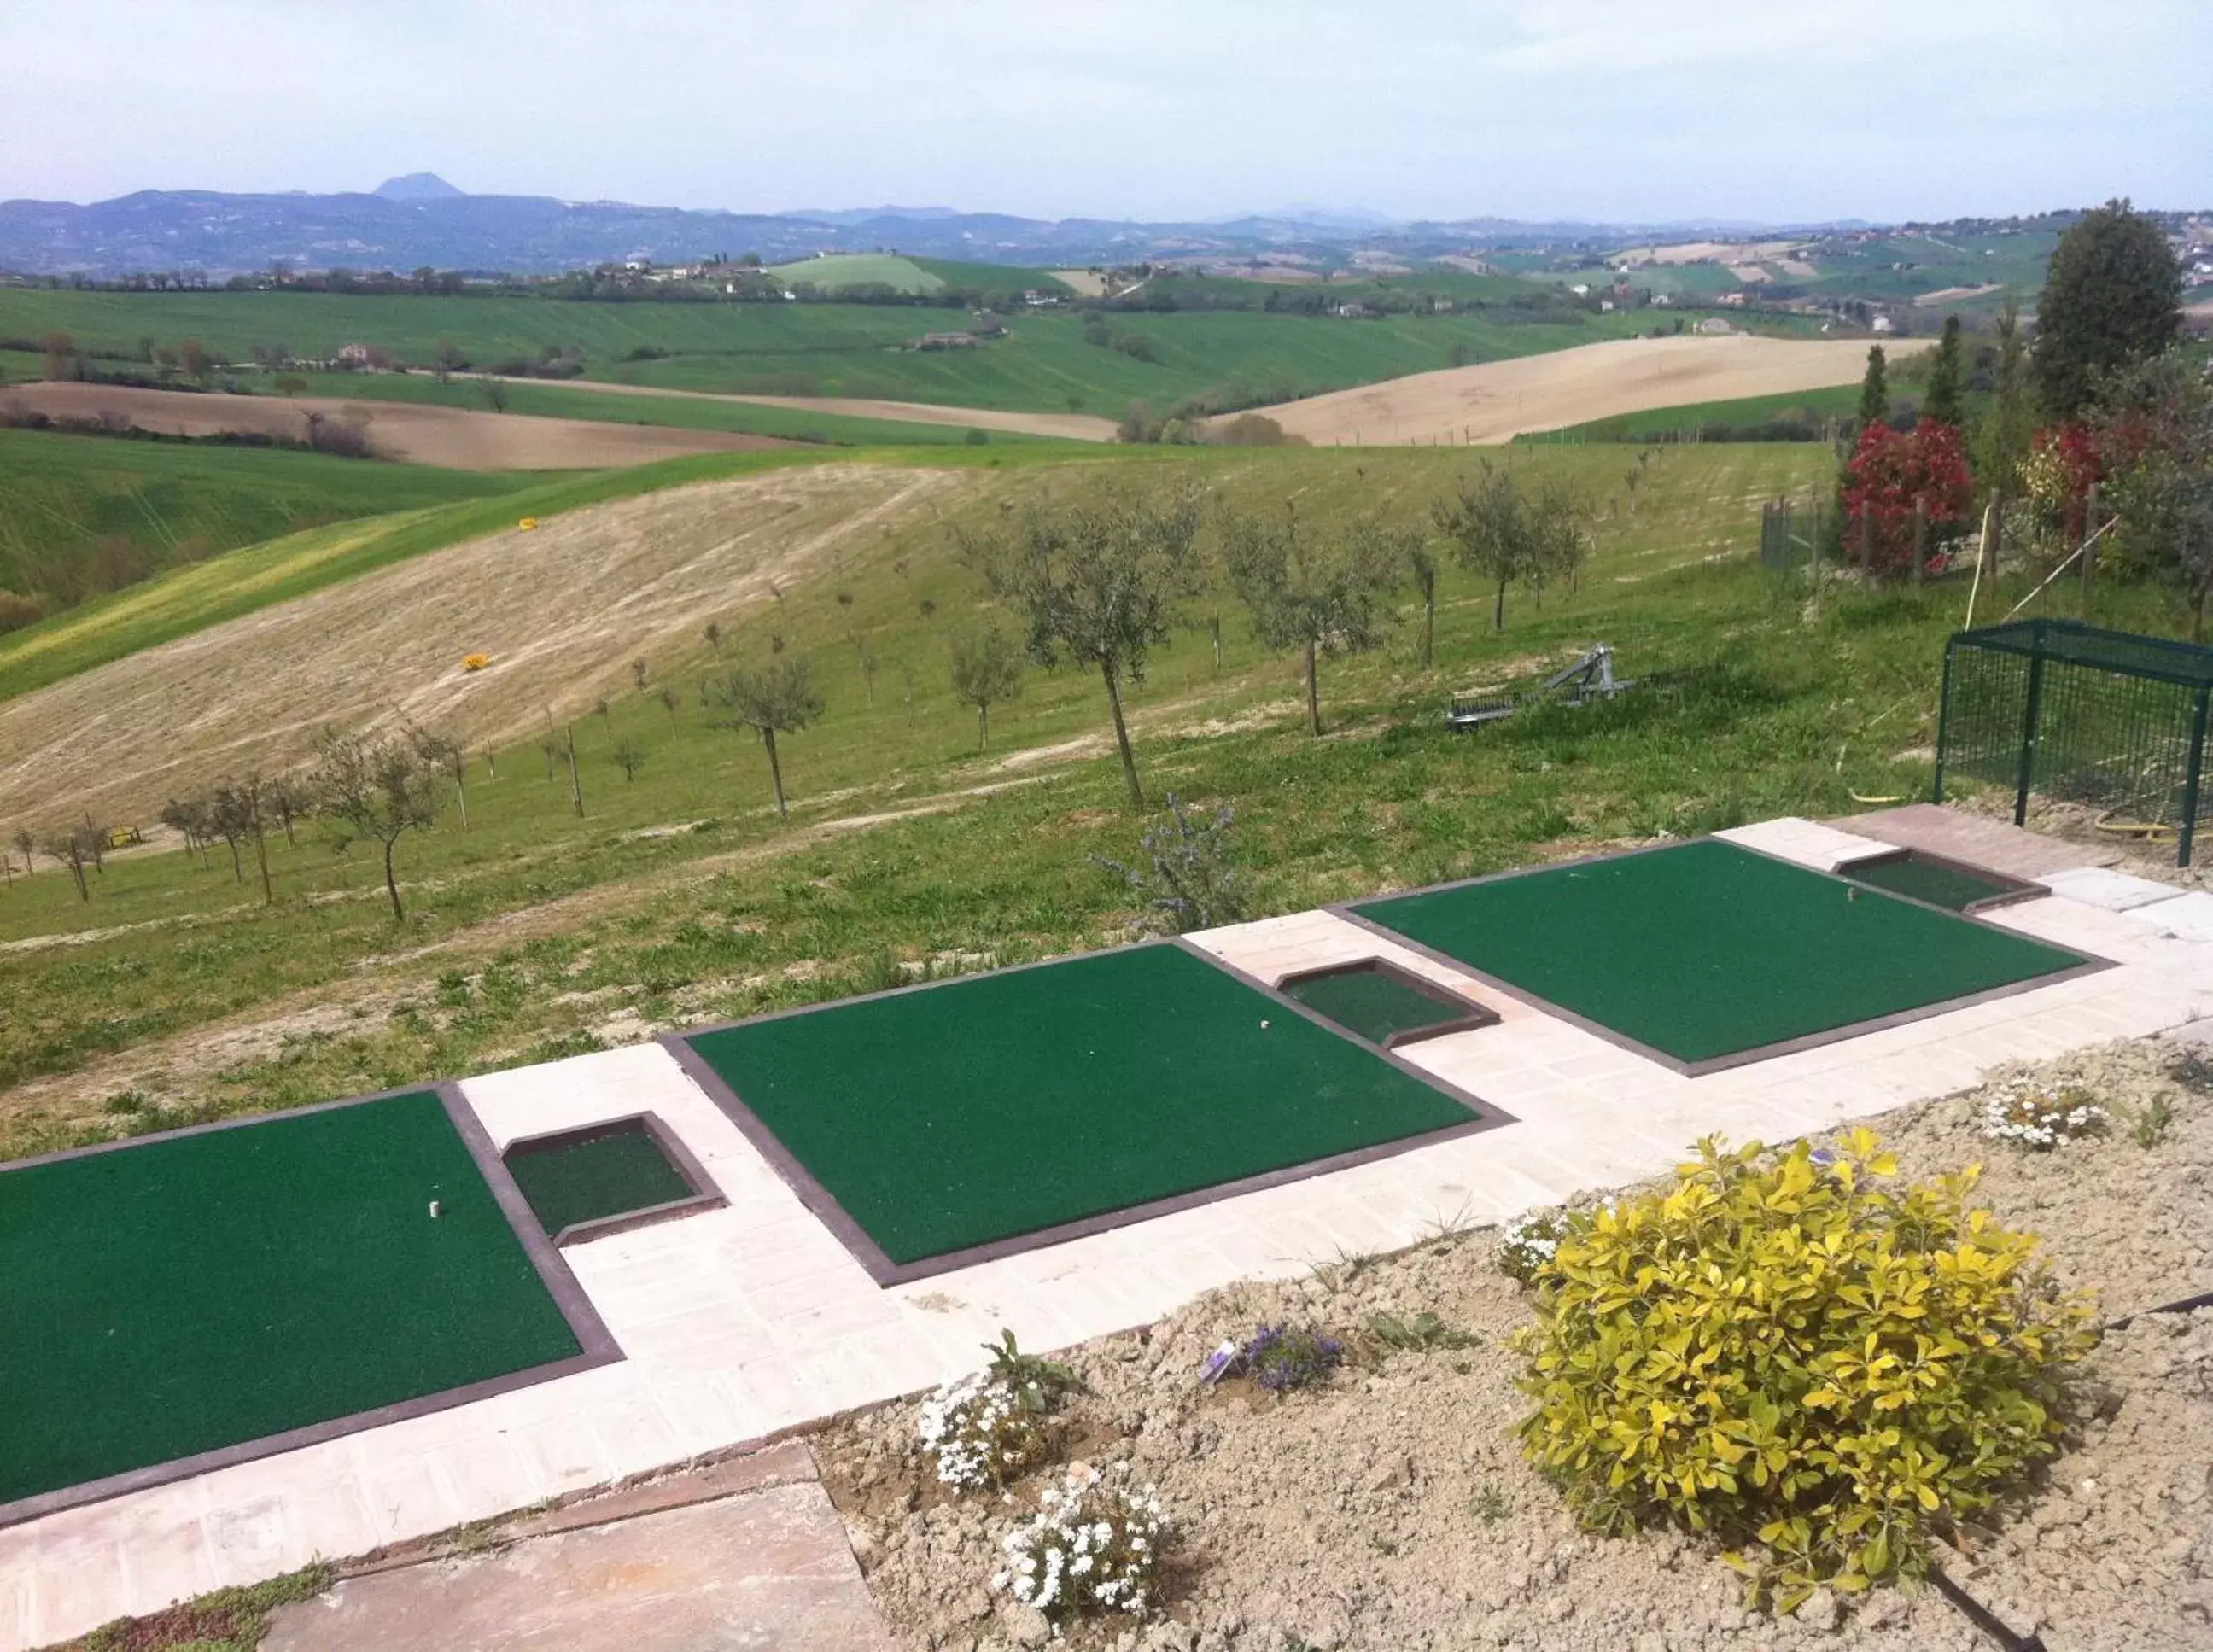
[[1875, 390], [1945, 369]]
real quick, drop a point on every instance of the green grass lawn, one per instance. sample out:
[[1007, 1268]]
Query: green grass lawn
[[80, 514], [994, 1108], [1705, 951], [1692, 419], [1043, 363], [197, 1292], [862, 270]]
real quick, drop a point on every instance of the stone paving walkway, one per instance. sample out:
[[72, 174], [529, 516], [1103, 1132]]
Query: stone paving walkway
[[765, 1567], [741, 1323]]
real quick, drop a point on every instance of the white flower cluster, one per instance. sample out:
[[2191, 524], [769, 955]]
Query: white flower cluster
[[1527, 1243], [1091, 1547], [2030, 1116], [979, 1431]]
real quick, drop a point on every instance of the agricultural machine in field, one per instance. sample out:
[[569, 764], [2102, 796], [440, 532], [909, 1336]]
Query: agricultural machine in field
[[1588, 679]]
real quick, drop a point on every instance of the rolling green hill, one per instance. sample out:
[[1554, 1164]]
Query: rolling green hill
[[81, 515], [1045, 362]]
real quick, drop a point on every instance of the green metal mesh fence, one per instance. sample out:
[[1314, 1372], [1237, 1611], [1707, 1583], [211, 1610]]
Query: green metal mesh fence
[[2108, 719]]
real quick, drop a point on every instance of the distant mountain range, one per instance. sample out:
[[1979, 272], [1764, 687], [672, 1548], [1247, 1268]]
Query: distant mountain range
[[420, 219]]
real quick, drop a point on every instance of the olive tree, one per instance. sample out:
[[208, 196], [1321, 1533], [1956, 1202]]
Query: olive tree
[[1097, 582], [776, 699], [377, 791], [1322, 593], [1506, 537], [987, 671]]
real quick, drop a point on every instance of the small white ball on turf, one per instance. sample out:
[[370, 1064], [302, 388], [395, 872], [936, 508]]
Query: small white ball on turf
[[434, 1210]]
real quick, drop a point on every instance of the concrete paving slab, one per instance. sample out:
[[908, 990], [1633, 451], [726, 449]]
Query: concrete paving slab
[[1975, 840], [768, 1569], [2186, 918], [2113, 892]]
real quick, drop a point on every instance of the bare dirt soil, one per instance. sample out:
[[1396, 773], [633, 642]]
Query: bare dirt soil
[[1500, 400], [1708, 252], [453, 438], [561, 611], [1949, 294], [1074, 427], [1390, 1508]]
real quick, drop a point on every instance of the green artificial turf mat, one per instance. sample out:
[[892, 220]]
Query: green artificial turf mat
[[993, 1107], [203, 1290], [1371, 1004], [609, 1175], [1705, 949], [1939, 885]]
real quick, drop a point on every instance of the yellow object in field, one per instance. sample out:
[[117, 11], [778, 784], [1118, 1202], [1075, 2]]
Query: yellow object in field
[[124, 837], [475, 661], [527, 521]]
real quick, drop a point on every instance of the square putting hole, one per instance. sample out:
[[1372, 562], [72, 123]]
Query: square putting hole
[[1936, 880], [1383, 1003], [606, 1178]]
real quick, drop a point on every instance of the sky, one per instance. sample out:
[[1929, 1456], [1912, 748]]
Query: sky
[[1156, 109]]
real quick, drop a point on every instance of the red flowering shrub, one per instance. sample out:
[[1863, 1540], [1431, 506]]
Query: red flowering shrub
[[1889, 471]]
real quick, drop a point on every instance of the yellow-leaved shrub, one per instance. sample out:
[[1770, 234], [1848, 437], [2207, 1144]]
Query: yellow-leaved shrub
[[1788, 1353]]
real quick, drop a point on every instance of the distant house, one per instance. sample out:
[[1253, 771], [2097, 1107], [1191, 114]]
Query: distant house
[[1038, 300], [1735, 301], [946, 341], [1882, 324], [1714, 326], [1354, 312], [1580, 289], [356, 357], [1606, 305]]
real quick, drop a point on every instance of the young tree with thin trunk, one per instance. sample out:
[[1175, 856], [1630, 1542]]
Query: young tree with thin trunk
[[714, 636], [72, 850], [377, 791], [637, 674], [228, 816], [777, 699], [668, 697], [1506, 537], [289, 800], [26, 842], [1097, 583], [1422, 567], [240, 807], [445, 753], [987, 671], [188, 817], [628, 756], [1322, 594]]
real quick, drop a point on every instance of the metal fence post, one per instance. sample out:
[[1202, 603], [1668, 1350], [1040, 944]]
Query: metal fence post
[[1944, 717], [2032, 712], [2194, 778]]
